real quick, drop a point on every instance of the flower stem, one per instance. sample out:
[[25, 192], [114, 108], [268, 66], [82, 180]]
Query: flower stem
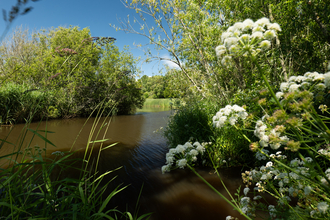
[[266, 81]]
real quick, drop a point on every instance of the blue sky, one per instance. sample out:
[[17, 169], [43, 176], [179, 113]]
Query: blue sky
[[94, 14]]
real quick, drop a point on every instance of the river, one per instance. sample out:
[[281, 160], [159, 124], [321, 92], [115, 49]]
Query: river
[[140, 153]]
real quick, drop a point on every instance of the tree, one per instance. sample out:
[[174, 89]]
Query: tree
[[82, 70], [191, 29]]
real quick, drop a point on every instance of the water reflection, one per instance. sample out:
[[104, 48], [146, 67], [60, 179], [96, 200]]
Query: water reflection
[[141, 153]]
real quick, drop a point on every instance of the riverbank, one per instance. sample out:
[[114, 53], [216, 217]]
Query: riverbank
[[161, 103]]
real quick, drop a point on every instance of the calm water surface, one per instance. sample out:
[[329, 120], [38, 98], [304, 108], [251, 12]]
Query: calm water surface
[[140, 153]]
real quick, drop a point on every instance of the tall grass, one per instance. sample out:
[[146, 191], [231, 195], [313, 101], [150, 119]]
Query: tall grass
[[35, 185]]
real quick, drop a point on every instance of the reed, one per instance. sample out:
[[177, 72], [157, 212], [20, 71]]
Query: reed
[[34, 183]]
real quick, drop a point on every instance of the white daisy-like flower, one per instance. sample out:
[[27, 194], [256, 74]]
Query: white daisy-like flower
[[257, 197], [305, 85]]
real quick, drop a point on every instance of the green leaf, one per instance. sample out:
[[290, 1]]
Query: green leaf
[[42, 137]]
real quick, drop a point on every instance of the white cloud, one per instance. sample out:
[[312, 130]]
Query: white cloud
[[166, 60]]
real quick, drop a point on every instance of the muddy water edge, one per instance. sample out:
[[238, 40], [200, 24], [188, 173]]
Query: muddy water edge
[[140, 152]]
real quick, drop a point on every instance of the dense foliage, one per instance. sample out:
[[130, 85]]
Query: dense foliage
[[242, 52], [79, 71], [163, 86]]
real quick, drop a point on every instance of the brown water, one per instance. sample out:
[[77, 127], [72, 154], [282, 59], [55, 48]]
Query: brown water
[[141, 153]]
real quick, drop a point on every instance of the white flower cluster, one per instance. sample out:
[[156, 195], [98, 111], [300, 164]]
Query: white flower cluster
[[229, 114], [289, 184], [247, 37], [325, 152], [272, 138], [310, 80], [181, 155]]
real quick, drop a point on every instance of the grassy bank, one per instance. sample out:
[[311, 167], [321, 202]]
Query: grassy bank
[[161, 103]]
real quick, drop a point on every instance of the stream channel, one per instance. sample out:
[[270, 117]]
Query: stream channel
[[140, 153]]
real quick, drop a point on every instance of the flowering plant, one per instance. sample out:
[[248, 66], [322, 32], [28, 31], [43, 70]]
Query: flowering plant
[[293, 138], [182, 155]]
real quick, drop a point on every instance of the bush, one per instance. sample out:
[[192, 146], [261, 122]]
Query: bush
[[190, 121]]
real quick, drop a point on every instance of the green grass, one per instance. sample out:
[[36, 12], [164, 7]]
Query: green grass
[[160, 103]]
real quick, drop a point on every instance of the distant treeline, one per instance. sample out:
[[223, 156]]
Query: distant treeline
[[162, 86]]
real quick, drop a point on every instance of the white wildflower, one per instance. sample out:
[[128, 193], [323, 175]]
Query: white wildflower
[[269, 35], [226, 60], [246, 190], [327, 79], [232, 120], [193, 152], [274, 26], [245, 201], [239, 26], [180, 148], [230, 41], [220, 50], [257, 35], [248, 24], [166, 168], [181, 163], [322, 207], [265, 45], [279, 95], [170, 160], [307, 190], [294, 87], [262, 22], [258, 29], [226, 35], [284, 86], [269, 164]]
